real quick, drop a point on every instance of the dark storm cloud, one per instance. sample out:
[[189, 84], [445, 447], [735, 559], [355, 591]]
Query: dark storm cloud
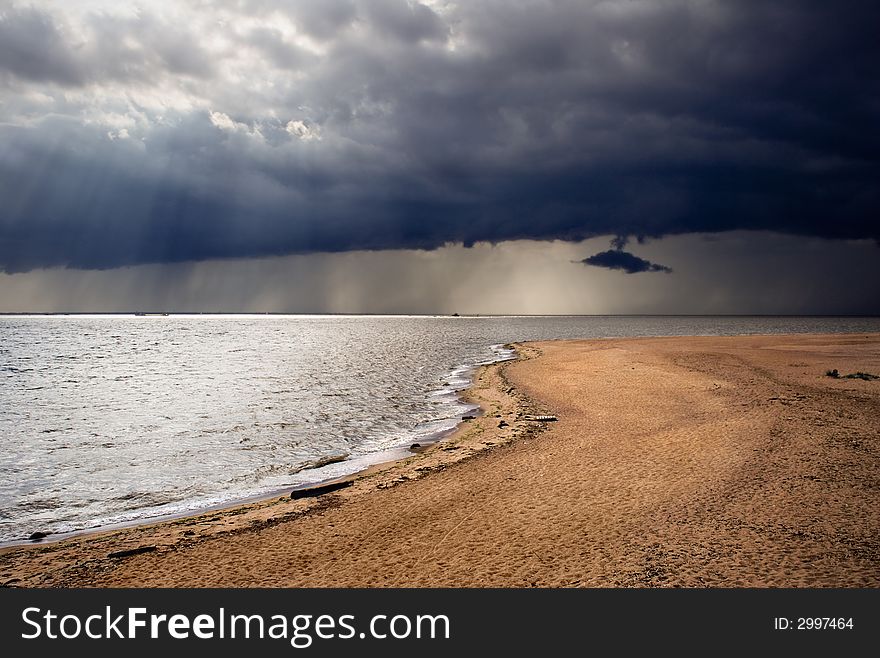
[[257, 127], [617, 259], [620, 241], [36, 46], [408, 22], [32, 47], [282, 54]]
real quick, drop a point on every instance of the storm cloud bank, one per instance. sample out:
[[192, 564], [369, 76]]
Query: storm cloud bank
[[239, 128]]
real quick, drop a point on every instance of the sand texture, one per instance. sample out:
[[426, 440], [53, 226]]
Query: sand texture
[[675, 462]]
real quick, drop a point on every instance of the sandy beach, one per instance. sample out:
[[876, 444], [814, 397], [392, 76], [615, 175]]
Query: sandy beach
[[693, 462]]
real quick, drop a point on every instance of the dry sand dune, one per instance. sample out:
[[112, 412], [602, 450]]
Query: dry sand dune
[[675, 462]]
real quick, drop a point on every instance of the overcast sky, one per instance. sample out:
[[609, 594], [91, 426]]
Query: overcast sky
[[365, 156]]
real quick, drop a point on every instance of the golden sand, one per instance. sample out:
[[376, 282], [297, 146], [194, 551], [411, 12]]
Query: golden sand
[[675, 462]]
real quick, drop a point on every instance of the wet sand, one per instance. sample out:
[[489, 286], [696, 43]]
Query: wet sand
[[675, 462]]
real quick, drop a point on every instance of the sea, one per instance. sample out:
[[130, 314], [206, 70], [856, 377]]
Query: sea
[[108, 420]]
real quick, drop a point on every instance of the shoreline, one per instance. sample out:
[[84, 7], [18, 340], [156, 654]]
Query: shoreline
[[677, 461], [361, 464], [385, 457], [450, 446], [229, 505]]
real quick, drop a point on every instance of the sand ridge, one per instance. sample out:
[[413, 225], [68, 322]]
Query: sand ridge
[[716, 461]]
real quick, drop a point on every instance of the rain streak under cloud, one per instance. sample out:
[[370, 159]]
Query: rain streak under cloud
[[176, 131]]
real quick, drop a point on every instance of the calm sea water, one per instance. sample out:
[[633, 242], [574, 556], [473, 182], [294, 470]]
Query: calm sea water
[[115, 419]]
